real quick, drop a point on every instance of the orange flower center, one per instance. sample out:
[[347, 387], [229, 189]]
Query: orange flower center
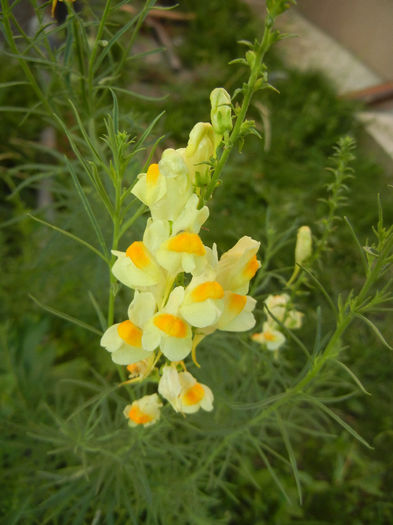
[[208, 290], [138, 254], [171, 325], [130, 333], [139, 417], [236, 303], [152, 174], [269, 336], [193, 395], [187, 243], [251, 267]]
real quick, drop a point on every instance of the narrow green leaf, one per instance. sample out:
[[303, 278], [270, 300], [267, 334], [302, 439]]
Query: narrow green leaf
[[70, 235], [375, 329], [338, 419], [65, 316], [148, 130], [357, 242], [353, 375], [291, 456], [96, 306], [271, 470], [321, 287], [88, 209], [140, 211]]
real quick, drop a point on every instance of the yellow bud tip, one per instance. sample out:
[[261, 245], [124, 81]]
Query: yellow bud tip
[[251, 267], [208, 290], [138, 254], [152, 174], [193, 395], [236, 303], [130, 333], [187, 243], [171, 325], [137, 416]]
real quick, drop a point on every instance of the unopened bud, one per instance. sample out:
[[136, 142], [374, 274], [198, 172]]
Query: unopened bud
[[303, 245], [221, 112], [200, 149]]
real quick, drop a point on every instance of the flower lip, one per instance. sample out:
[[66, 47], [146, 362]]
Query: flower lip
[[251, 267], [171, 325], [130, 333], [237, 302], [152, 174], [186, 242], [138, 254], [139, 417], [193, 395], [207, 290]]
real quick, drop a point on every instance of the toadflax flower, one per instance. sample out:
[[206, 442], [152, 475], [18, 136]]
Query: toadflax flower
[[183, 391], [238, 265], [279, 307], [270, 337], [124, 340], [168, 330], [144, 411]]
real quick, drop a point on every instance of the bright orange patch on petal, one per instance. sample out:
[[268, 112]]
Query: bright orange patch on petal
[[187, 243], [137, 416], [251, 267], [133, 369], [269, 336], [208, 290], [171, 325], [138, 254], [236, 303], [193, 395], [130, 333], [152, 174]]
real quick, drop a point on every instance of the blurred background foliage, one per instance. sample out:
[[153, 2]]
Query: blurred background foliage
[[67, 455]]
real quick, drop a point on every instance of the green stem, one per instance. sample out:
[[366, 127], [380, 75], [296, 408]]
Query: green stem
[[235, 134]]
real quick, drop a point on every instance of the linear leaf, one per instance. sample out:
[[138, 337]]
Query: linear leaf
[[291, 456], [65, 316], [88, 209], [375, 329], [321, 287], [70, 235], [337, 418], [100, 315], [357, 242], [353, 375]]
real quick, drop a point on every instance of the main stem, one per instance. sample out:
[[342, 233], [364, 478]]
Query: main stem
[[234, 136]]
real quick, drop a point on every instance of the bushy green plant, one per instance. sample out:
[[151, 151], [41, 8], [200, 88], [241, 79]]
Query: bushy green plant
[[65, 434]]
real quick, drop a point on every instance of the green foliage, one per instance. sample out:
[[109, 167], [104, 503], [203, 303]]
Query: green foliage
[[285, 442]]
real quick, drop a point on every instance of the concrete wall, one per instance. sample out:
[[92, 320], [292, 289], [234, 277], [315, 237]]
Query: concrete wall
[[365, 27]]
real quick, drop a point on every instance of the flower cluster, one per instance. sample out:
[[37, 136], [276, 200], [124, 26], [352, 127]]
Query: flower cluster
[[279, 313], [183, 290]]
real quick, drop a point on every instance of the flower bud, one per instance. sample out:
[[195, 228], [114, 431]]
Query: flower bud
[[221, 112], [303, 245], [199, 150]]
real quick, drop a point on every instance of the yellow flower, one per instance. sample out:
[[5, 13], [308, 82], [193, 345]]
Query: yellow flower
[[168, 330], [238, 265], [124, 340], [183, 391], [144, 411], [270, 337]]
